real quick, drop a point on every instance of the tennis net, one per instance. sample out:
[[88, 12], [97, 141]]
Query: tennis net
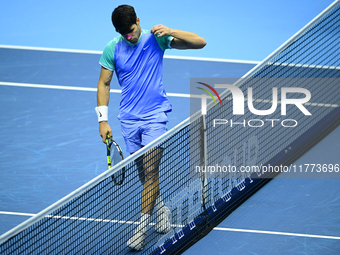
[[99, 217]]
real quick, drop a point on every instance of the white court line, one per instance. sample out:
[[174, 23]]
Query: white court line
[[100, 52], [216, 228], [305, 65], [44, 86], [275, 233], [81, 218], [50, 49], [279, 102], [18, 214]]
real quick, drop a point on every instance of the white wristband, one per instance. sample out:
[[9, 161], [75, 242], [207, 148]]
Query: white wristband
[[102, 113]]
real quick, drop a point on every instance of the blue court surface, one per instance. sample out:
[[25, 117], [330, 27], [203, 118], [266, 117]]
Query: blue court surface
[[50, 146]]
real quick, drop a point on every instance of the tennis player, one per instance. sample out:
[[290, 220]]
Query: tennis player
[[136, 56]]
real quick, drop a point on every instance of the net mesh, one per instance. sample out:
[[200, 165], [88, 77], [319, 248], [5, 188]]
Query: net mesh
[[100, 217]]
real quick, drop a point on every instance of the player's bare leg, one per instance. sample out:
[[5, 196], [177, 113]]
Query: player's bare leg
[[148, 169], [151, 179]]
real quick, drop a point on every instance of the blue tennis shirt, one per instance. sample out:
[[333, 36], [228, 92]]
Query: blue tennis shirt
[[139, 69]]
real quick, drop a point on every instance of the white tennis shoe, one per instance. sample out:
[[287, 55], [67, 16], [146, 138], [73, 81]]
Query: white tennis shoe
[[164, 220], [137, 241]]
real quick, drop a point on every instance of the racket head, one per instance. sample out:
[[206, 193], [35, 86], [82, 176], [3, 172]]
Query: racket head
[[114, 156]]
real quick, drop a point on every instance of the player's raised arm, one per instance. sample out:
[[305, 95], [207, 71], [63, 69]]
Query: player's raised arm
[[103, 97], [182, 39]]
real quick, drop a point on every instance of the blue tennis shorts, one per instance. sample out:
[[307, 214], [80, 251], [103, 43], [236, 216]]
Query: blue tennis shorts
[[140, 133]]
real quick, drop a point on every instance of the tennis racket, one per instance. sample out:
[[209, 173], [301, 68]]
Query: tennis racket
[[114, 156]]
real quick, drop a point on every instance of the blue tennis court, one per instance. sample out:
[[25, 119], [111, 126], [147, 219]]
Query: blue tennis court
[[55, 127], [50, 146]]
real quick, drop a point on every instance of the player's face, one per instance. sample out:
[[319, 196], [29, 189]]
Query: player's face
[[133, 35]]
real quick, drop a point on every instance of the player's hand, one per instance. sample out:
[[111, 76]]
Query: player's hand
[[161, 30], [104, 130]]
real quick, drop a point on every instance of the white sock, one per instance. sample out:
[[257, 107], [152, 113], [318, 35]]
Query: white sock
[[144, 222], [159, 203]]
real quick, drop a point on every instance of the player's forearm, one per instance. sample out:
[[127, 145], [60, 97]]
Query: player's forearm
[[103, 94], [191, 39]]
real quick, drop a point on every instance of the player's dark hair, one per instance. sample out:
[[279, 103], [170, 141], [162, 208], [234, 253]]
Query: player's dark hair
[[123, 17]]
